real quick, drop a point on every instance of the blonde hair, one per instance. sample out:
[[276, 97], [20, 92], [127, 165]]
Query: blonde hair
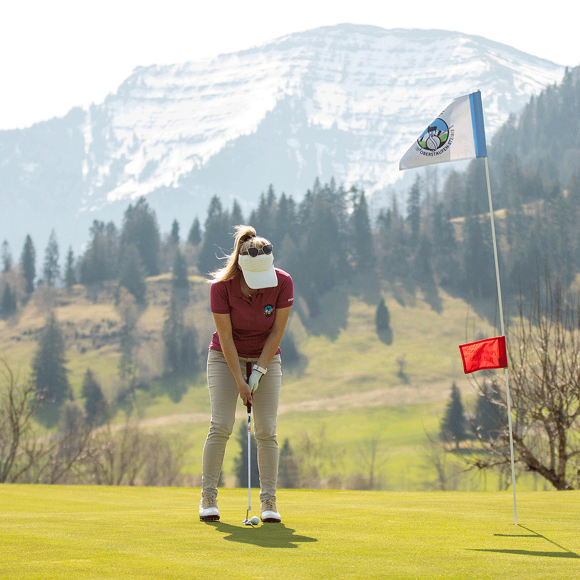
[[244, 238]]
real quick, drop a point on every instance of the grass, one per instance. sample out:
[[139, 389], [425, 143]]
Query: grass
[[61, 532]]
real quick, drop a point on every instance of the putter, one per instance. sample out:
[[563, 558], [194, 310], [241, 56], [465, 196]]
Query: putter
[[247, 521]]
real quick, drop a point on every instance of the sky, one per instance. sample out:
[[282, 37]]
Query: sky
[[61, 54]]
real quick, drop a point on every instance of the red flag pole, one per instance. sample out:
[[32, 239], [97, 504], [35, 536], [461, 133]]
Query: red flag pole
[[507, 386]]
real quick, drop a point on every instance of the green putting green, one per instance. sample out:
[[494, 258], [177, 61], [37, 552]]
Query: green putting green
[[135, 532]]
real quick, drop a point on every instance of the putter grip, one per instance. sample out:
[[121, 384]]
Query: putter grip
[[248, 373]]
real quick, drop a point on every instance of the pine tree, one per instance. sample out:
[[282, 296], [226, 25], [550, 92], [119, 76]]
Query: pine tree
[[305, 210], [444, 247], [70, 277], [455, 194], [93, 265], [174, 235], [476, 187], [189, 353], [527, 255], [6, 256], [236, 216], [127, 308], [111, 245], [96, 406], [217, 241], [559, 235], [414, 212], [172, 335], [179, 342], [324, 249], [394, 264], [286, 220], [264, 217], [8, 302], [194, 236], [321, 258], [49, 373], [28, 263], [363, 238], [478, 259], [179, 280], [289, 258], [140, 229], [132, 273], [51, 270], [510, 193], [453, 425], [100, 261], [422, 262], [339, 200]]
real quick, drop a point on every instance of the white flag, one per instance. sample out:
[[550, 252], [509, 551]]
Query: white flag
[[457, 133]]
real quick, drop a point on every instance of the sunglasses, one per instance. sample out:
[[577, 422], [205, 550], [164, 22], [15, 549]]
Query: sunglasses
[[265, 249]]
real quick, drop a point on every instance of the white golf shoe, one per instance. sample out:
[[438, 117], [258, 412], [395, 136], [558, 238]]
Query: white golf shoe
[[269, 513], [208, 510]]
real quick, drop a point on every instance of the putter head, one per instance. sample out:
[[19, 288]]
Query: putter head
[[248, 521]]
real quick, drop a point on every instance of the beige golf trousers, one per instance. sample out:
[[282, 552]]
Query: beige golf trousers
[[224, 395]]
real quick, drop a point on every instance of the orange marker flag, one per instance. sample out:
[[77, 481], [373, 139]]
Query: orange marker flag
[[489, 353]]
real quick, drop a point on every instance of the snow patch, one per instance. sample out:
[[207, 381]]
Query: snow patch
[[380, 87]]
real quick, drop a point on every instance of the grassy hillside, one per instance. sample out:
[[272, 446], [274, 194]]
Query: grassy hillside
[[351, 391], [105, 532]]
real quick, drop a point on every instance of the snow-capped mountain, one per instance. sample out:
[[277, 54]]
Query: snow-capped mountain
[[344, 101]]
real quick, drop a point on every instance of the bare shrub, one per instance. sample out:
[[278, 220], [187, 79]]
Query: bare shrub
[[544, 378], [25, 456], [130, 456]]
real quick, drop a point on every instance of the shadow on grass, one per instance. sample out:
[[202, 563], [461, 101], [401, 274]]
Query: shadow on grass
[[385, 336], [565, 553], [431, 297], [484, 308], [264, 535]]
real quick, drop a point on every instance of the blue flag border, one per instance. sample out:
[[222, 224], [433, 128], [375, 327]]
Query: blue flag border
[[477, 122]]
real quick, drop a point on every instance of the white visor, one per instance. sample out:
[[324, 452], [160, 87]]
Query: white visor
[[259, 271]]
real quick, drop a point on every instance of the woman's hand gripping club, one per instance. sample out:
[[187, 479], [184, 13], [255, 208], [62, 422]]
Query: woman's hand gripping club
[[255, 377]]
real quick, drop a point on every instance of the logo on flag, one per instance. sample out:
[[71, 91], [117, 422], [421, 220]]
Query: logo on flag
[[435, 139], [457, 133]]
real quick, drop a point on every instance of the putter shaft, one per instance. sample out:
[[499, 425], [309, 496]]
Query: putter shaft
[[249, 408]]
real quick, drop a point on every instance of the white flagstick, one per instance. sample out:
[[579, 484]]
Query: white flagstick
[[507, 386]]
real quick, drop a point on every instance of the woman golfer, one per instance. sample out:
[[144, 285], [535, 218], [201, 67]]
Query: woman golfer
[[250, 302]]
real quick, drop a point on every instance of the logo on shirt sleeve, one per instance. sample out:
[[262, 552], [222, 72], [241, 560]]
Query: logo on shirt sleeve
[[268, 310]]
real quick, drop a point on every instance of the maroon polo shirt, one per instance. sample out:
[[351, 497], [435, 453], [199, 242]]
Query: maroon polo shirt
[[252, 318]]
